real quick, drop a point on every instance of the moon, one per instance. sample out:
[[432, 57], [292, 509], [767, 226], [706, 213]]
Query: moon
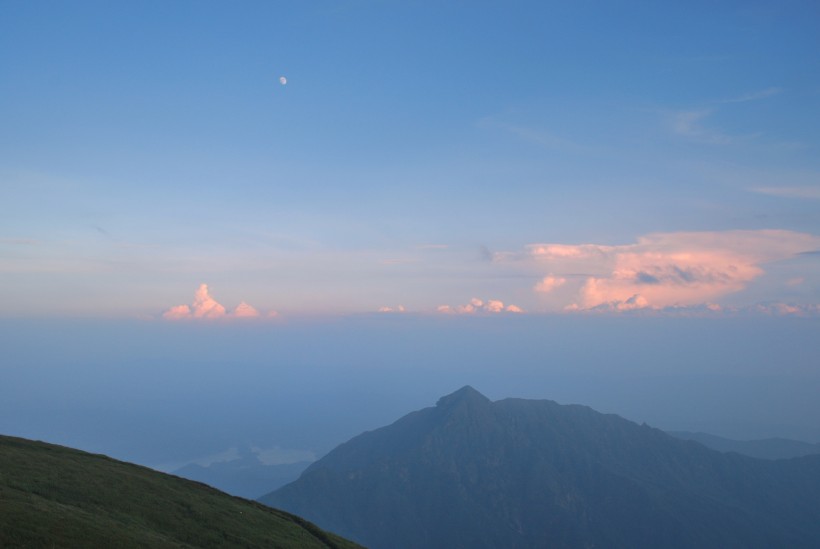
[[283, 80]]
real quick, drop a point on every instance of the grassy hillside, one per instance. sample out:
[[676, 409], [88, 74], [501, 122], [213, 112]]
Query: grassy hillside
[[51, 496]]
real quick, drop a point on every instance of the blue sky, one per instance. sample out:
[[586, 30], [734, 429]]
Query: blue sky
[[149, 148], [641, 179]]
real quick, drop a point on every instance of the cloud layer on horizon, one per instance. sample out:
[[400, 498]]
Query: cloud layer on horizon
[[662, 270], [478, 306], [207, 308]]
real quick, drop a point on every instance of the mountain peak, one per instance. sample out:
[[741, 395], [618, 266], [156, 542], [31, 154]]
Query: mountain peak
[[475, 473], [465, 394]]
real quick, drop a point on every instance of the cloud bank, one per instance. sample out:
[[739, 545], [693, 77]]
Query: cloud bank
[[387, 309], [478, 306], [664, 269], [207, 308]]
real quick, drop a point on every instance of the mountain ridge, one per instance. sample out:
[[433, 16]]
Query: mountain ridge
[[766, 448], [469, 472]]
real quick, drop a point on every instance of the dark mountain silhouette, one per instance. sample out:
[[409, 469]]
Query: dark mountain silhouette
[[767, 448], [52, 496], [520, 473]]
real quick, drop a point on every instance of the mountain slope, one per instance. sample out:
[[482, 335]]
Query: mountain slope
[[516, 473], [52, 496], [767, 448]]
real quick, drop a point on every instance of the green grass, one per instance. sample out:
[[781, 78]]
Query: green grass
[[51, 496]]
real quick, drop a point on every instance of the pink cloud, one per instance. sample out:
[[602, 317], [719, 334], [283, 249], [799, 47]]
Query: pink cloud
[[565, 251], [179, 312], [670, 279], [398, 309], [790, 309], [206, 307], [549, 283], [243, 310], [667, 269], [478, 306]]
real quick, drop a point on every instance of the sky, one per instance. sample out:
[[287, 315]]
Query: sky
[[571, 170]]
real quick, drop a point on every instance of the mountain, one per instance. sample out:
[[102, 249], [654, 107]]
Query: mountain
[[52, 496], [520, 473], [245, 476], [767, 448]]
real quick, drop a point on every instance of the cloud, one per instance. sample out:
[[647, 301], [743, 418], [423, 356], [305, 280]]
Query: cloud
[[179, 312], [398, 309], [787, 309], [549, 283], [690, 124], [266, 456], [755, 96], [564, 251], [243, 310], [667, 269], [206, 307], [478, 306]]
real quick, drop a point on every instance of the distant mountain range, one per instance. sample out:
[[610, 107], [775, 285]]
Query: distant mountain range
[[245, 476], [520, 473], [768, 448], [52, 496]]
